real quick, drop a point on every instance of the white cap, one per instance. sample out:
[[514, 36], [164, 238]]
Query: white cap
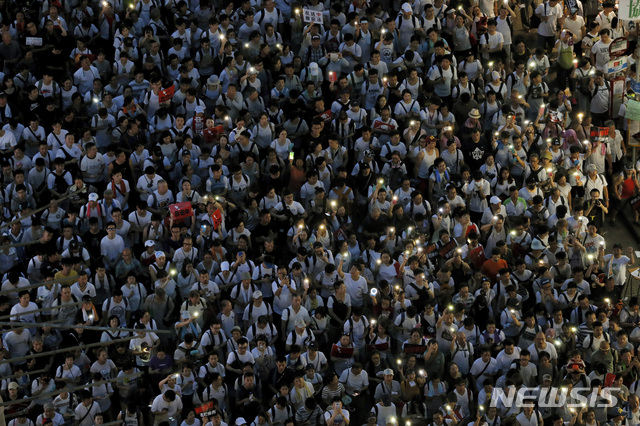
[[495, 200], [149, 243], [537, 245], [224, 266], [406, 7], [199, 110], [160, 254], [495, 75], [313, 69], [93, 197]]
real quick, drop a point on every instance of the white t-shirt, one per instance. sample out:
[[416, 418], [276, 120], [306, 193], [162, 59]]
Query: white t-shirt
[[548, 28], [111, 248], [504, 28], [616, 267], [339, 420], [601, 52], [492, 40], [92, 168]]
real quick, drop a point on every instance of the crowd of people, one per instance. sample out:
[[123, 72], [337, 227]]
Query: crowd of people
[[287, 213]]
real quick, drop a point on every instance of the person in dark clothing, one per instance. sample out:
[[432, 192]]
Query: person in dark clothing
[[475, 149]]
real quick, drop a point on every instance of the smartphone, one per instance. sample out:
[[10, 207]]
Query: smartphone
[[291, 155]]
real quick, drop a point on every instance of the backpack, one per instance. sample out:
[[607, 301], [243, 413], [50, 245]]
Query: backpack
[[187, 352], [60, 185], [251, 306], [535, 21], [424, 204], [124, 299], [263, 14], [590, 340], [59, 299], [583, 82], [245, 178], [495, 55], [54, 87], [60, 241], [576, 260], [395, 176], [477, 257], [542, 88]]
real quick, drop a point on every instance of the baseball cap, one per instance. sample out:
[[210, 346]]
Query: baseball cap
[[313, 67], [495, 200], [257, 294], [93, 197], [513, 303], [149, 243], [386, 400], [224, 266], [13, 385], [406, 7], [300, 323]]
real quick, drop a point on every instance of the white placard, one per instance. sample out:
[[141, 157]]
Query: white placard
[[314, 16], [629, 10], [33, 41]]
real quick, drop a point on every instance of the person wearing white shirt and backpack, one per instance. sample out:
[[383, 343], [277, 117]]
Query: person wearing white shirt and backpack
[[549, 13]]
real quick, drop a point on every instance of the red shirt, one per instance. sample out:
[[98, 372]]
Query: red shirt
[[628, 188], [491, 268]]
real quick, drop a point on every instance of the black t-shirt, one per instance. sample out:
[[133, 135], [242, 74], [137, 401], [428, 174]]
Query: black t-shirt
[[475, 153], [261, 231], [92, 242]]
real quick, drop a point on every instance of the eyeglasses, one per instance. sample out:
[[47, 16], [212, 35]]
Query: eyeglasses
[[111, 229]]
